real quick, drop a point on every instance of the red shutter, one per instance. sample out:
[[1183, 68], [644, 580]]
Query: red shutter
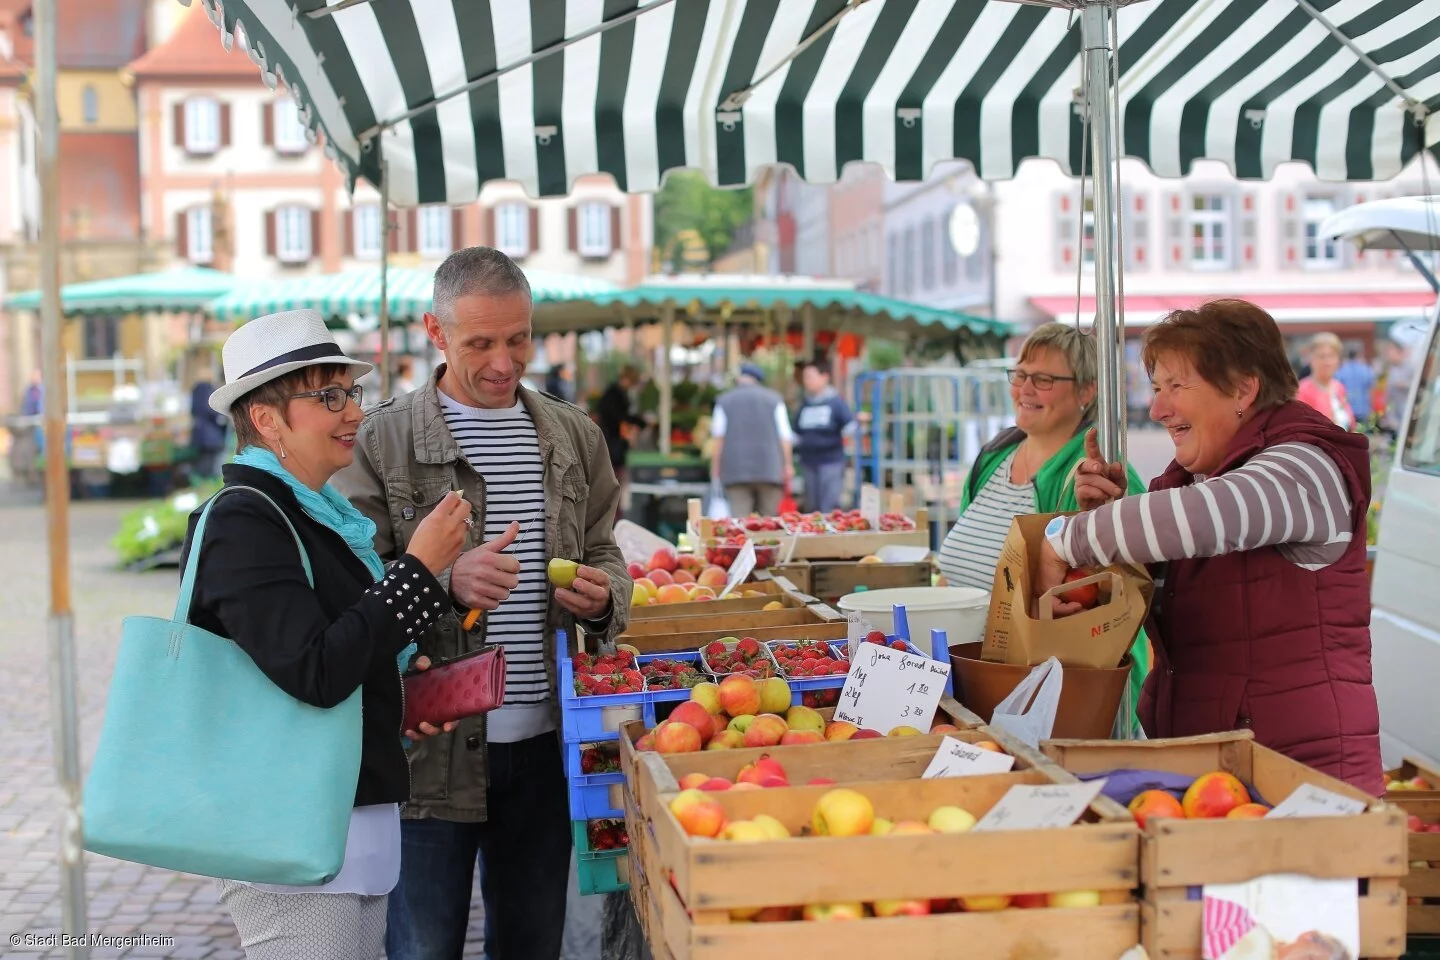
[[178, 113], [1175, 239], [314, 232], [489, 238], [1137, 231], [534, 229], [412, 232], [1067, 231], [267, 123], [457, 229], [572, 227], [392, 228], [1292, 232], [1248, 229], [224, 125], [270, 245], [182, 235], [348, 228], [615, 241]]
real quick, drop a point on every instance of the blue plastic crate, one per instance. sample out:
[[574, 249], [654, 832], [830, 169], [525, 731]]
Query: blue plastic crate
[[594, 719], [592, 796], [600, 871]]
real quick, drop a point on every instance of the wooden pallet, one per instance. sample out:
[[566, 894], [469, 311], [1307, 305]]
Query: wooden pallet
[[705, 879], [1176, 855]]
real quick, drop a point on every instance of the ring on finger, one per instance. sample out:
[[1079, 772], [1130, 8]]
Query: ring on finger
[[469, 521]]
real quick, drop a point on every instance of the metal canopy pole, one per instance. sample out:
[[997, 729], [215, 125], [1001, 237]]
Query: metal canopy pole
[[667, 340], [1097, 40], [61, 624], [384, 274]]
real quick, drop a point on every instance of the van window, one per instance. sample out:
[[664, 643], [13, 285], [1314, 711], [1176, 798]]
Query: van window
[[1422, 442]]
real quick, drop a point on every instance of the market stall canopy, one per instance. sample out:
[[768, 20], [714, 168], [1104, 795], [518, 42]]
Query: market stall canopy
[[560, 299], [547, 91], [836, 304], [1400, 223], [191, 288]]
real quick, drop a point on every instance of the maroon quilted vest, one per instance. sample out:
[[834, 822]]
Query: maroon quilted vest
[[1251, 640]]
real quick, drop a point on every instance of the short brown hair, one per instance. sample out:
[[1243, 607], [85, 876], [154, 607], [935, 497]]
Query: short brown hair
[[1226, 341], [276, 393]]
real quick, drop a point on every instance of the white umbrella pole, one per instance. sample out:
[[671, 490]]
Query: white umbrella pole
[[1095, 26], [384, 274], [61, 633]]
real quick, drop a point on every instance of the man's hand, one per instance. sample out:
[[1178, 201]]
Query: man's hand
[[1050, 573], [589, 596], [483, 578], [1097, 482]]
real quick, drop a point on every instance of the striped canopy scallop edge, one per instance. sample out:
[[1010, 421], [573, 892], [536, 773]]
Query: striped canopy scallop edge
[[718, 86]]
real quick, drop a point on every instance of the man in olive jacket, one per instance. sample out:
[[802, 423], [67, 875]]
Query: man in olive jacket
[[537, 471]]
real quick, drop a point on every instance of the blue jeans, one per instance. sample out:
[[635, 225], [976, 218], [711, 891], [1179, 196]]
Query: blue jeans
[[824, 485], [524, 855]]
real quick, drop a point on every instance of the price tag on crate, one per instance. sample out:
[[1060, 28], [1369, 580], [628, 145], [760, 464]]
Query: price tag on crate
[[856, 627], [889, 688], [1043, 807], [870, 505], [740, 569], [956, 758], [1309, 800]]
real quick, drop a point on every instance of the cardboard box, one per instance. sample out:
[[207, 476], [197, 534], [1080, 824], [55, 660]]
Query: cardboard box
[[1092, 638]]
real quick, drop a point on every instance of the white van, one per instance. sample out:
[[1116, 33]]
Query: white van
[[1405, 592]]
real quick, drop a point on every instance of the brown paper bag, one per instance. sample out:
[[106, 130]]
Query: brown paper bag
[[1092, 638]]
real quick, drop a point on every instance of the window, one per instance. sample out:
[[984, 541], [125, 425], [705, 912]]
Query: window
[[1087, 234], [292, 234], [289, 131], [927, 255], [1319, 251], [512, 229], [90, 104], [199, 235], [434, 225], [911, 264], [594, 226], [101, 336], [1210, 230], [1422, 442], [202, 125], [365, 232], [892, 265]]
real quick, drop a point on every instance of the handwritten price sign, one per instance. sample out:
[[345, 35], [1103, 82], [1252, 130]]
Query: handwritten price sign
[[956, 758], [1044, 807], [891, 688]]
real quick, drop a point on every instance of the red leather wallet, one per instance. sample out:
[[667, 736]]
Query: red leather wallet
[[468, 685]]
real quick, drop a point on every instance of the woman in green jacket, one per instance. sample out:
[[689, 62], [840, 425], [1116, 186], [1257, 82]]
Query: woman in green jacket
[[1030, 467]]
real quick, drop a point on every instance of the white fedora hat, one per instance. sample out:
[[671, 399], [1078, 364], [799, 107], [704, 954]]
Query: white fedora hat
[[272, 346]]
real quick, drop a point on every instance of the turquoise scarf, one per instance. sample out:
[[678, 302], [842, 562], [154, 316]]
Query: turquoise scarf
[[327, 508]]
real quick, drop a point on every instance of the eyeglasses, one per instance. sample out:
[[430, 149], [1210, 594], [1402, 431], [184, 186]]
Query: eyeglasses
[[334, 397], [1042, 381]]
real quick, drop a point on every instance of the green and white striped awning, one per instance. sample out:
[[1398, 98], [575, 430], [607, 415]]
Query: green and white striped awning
[[356, 293], [191, 288], [544, 91]]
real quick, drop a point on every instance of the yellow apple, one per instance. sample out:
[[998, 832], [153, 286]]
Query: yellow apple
[[775, 696], [707, 694], [774, 829], [843, 813], [805, 718], [1075, 898], [562, 572], [744, 831], [951, 820]]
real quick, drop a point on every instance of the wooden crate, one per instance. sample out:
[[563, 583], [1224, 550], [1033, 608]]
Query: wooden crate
[[833, 546], [705, 879], [769, 589], [1180, 854], [830, 580], [1411, 767], [814, 621], [1423, 881]]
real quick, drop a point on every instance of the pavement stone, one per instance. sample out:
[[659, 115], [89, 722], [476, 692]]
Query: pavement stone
[[124, 899]]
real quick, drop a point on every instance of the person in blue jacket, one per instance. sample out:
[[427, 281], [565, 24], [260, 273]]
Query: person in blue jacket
[[821, 422]]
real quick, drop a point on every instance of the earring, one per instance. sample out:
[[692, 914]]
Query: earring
[[282, 451], [1239, 413]]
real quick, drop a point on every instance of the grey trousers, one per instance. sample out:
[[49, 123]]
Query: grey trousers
[[824, 485], [305, 926], [748, 498]]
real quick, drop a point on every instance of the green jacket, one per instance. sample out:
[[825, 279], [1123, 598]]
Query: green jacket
[[1055, 493]]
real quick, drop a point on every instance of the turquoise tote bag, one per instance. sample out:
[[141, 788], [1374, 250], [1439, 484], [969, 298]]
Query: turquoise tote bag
[[207, 767]]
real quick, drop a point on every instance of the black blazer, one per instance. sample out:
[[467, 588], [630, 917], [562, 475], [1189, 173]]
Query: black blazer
[[316, 644]]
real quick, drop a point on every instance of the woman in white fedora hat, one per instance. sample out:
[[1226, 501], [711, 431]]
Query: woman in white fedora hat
[[291, 394]]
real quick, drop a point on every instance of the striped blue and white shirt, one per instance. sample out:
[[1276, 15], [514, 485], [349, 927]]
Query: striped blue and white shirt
[[502, 446], [971, 550]]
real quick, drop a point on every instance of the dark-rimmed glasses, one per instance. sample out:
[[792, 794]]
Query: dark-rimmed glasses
[[334, 397], [1042, 381]]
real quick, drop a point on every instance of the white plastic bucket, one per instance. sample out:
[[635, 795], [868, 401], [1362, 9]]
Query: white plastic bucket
[[959, 611]]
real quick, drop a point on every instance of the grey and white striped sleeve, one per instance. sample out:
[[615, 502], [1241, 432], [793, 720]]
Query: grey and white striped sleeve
[[1291, 496]]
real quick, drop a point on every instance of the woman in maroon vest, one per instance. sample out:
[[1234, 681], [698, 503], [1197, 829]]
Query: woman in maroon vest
[[1256, 536]]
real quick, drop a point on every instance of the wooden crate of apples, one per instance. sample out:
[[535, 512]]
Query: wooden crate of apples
[[1217, 831], [1416, 790], [760, 872]]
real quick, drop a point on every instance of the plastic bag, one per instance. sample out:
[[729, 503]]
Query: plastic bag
[[1041, 692], [719, 507]]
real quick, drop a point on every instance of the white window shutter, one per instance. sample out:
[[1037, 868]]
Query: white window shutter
[[1067, 230], [1176, 237], [1138, 250], [1292, 231], [1247, 229]]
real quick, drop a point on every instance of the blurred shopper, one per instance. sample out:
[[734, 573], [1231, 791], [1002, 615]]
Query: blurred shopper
[[1358, 378], [822, 422], [754, 445], [1322, 390], [207, 428], [620, 427]]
